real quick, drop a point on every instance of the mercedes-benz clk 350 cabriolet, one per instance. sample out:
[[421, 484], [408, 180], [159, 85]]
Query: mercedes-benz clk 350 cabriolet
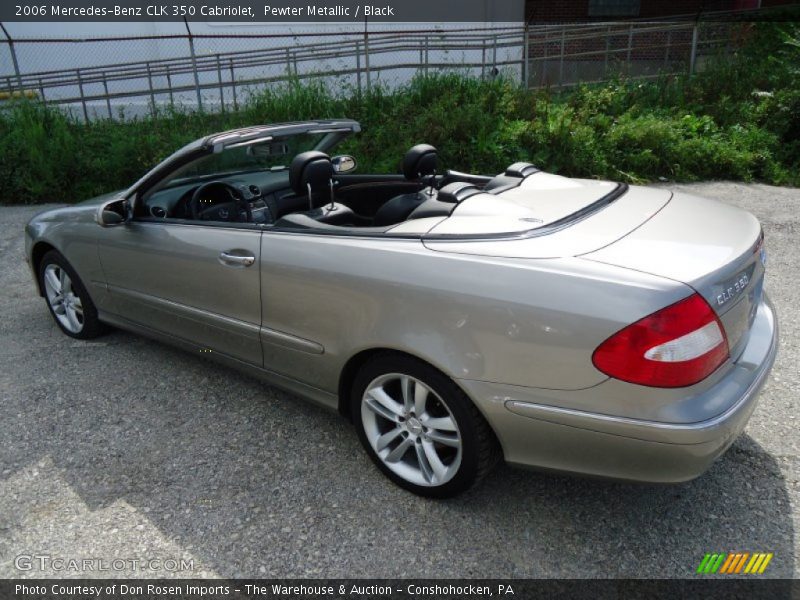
[[565, 324]]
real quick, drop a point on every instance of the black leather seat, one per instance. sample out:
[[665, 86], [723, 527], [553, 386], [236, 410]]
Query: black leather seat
[[398, 209], [310, 176], [418, 163], [337, 215]]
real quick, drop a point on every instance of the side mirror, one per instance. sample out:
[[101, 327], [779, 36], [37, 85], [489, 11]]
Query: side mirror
[[343, 163], [112, 213]]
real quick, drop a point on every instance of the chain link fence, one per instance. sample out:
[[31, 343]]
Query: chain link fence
[[118, 77], [592, 53]]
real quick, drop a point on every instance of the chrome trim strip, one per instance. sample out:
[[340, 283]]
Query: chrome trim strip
[[242, 327], [280, 338], [265, 334]]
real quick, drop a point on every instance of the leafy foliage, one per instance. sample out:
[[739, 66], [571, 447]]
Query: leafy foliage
[[739, 118]]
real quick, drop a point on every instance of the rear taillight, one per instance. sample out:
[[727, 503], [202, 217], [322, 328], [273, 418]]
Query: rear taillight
[[677, 346]]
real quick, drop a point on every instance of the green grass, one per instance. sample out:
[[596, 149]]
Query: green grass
[[737, 119]]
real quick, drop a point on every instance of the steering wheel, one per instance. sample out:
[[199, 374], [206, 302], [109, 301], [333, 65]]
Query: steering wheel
[[205, 204]]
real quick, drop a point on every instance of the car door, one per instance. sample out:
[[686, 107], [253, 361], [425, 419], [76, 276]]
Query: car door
[[197, 282]]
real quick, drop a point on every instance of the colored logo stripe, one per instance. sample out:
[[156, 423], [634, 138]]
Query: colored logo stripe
[[734, 562], [703, 563]]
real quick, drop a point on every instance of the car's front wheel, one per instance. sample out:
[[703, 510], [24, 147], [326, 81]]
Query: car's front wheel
[[419, 428], [67, 298]]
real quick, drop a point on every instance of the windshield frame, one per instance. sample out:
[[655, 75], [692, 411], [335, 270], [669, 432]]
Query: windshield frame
[[336, 131]]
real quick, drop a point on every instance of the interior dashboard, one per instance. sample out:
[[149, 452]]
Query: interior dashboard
[[259, 189]]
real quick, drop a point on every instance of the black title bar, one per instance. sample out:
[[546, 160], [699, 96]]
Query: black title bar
[[264, 11], [318, 11], [373, 589]]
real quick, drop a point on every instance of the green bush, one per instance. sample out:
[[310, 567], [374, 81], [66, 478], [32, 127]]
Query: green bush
[[739, 118]]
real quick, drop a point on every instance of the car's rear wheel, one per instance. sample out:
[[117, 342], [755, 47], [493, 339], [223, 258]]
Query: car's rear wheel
[[67, 298], [419, 428]]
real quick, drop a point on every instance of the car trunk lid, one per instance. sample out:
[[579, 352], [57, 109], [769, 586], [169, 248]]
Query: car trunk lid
[[547, 216], [715, 248]]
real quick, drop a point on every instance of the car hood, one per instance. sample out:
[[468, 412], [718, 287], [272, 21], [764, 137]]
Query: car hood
[[97, 200], [80, 211]]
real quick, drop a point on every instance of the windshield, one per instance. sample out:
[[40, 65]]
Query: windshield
[[268, 154]]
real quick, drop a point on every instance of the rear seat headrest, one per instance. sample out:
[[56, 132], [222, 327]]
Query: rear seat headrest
[[521, 169], [457, 192], [312, 168], [420, 161], [511, 178]]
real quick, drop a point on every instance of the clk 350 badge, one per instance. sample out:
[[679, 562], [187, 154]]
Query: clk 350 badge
[[733, 288]]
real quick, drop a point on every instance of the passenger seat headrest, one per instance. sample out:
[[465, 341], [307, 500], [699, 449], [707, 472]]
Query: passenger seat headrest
[[457, 192], [420, 161], [521, 169], [312, 167]]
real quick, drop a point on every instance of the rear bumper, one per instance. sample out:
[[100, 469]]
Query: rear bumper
[[535, 433]]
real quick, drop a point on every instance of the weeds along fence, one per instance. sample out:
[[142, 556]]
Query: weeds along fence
[[115, 77], [215, 71]]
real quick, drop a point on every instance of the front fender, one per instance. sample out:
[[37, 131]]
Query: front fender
[[73, 232]]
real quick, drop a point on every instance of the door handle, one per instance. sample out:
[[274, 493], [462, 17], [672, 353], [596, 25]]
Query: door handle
[[236, 259]]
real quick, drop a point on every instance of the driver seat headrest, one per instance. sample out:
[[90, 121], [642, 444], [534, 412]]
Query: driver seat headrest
[[310, 168], [419, 161]]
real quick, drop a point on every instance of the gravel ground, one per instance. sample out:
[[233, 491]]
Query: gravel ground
[[125, 448]]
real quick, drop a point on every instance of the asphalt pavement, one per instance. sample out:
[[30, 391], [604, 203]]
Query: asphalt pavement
[[123, 449]]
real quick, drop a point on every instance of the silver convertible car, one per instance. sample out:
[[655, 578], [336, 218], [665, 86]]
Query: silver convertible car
[[456, 319]]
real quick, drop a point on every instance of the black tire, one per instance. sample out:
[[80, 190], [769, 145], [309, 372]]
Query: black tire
[[480, 450], [91, 326]]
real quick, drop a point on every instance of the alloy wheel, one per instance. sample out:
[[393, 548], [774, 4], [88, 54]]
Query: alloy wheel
[[411, 429], [65, 303]]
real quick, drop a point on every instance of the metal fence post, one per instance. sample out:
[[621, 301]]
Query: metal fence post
[[221, 88], [693, 54], [666, 52], [495, 70], [366, 56], [358, 66], [108, 100], [13, 53], [426, 55], [545, 52], [83, 98], [194, 65], [630, 47], [233, 86], [150, 87], [526, 40]]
